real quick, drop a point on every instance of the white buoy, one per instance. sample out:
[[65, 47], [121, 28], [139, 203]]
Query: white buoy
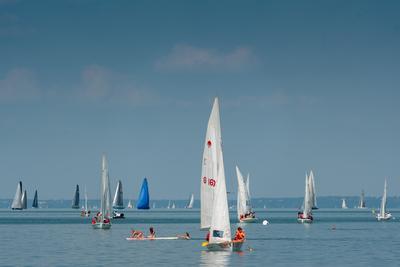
[[265, 222]]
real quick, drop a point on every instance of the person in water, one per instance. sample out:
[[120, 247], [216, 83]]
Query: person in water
[[185, 236], [152, 232], [240, 235], [136, 234]]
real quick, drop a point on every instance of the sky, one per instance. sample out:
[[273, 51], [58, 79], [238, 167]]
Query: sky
[[302, 85]]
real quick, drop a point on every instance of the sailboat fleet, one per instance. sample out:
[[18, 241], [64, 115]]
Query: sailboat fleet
[[20, 200]]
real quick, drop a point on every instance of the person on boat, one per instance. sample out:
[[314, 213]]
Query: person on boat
[[208, 236], [240, 235], [136, 234], [94, 219], [106, 220], [152, 232], [185, 236]]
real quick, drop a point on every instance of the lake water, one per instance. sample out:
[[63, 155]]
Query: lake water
[[60, 237]]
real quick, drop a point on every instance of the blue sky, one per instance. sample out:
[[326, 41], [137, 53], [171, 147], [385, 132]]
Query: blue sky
[[302, 85]]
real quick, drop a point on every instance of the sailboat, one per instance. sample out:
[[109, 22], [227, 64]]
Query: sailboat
[[173, 205], [383, 215], [118, 202], [214, 199], [35, 203], [24, 200], [361, 205], [169, 204], [244, 210], [75, 200], [129, 205], [154, 205], [144, 199], [306, 215], [17, 203], [190, 202], [102, 219], [344, 205], [85, 211], [312, 191]]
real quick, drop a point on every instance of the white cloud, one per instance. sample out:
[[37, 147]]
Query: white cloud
[[186, 56], [19, 84]]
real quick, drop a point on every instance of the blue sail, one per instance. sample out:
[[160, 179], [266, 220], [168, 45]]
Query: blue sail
[[143, 201]]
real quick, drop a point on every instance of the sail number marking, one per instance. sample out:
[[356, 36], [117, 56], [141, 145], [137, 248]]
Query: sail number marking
[[210, 181]]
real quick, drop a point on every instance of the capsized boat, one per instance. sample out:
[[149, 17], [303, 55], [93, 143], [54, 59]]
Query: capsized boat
[[144, 199], [383, 215], [24, 200], [190, 202], [118, 202], [214, 199], [35, 203], [17, 203], [344, 205], [102, 218], [75, 200], [245, 212], [305, 216]]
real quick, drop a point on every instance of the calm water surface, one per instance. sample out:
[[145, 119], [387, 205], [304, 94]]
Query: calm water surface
[[47, 237]]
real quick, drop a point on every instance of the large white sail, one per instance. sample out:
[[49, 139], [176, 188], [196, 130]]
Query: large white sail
[[118, 202], [24, 200], [383, 202], [242, 207], [17, 203], [313, 196], [212, 166], [191, 201], [307, 200], [105, 190]]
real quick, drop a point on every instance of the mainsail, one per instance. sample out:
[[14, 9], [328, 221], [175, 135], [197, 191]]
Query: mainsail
[[105, 190], [312, 191], [24, 200], [190, 202], [307, 199], [35, 203], [242, 207], [362, 200], [344, 205], [17, 203], [75, 200], [383, 202], [144, 199], [212, 166], [118, 202]]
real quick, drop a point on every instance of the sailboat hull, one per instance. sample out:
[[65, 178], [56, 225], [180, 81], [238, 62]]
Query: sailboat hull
[[385, 217], [101, 226], [248, 220], [225, 246]]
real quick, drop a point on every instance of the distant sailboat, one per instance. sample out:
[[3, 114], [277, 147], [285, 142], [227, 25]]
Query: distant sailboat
[[173, 205], [361, 205], [102, 219], [154, 205], [75, 200], [190, 202], [85, 212], [306, 215], [24, 200], [169, 204], [244, 210], [130, 205], [214, 198], [144, 199], [17, 203], [344, 205], [313, 195], [383, 215], [35, 203], [118, 202]]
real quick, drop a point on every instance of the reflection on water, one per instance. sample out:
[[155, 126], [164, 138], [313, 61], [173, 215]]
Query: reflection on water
[[215, 258]]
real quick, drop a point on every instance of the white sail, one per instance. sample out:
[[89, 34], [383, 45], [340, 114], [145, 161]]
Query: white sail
[[118, 202], [212, 166], [173, 205], [191, 202], [105, 190], [312, 191], [24, 200], [169, 204], [344, 205], [86, 201], [242, 207], [17, 203], [362, 200], [383, 202], [307, 200], [248, 187], [130, 205]]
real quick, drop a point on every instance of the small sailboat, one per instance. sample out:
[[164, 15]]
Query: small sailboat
[[17, 203], [244, 210], [102, 219], [24, 200], [144, 199], [306, 216], [312, 191], [173, 205], [214, 198], [361, 204], [35, 203], [344, 205], [85, 211], [169, 204], [75, 200], [383, 215], [118, 202], [190, 202], [154, 205], [130, 206]]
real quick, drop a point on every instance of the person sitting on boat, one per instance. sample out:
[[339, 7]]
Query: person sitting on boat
[[106, 220], [94, 219], [208, 236], [185, 236], [152, 232], [136, 234], [240, 235]]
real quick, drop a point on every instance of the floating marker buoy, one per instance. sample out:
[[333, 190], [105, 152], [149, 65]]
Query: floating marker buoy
[[265, 222]]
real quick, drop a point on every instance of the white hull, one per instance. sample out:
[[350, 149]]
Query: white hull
[[226, 246], [101, 225], [153, 238], [386, 217], [301, 220], [248, 220]]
